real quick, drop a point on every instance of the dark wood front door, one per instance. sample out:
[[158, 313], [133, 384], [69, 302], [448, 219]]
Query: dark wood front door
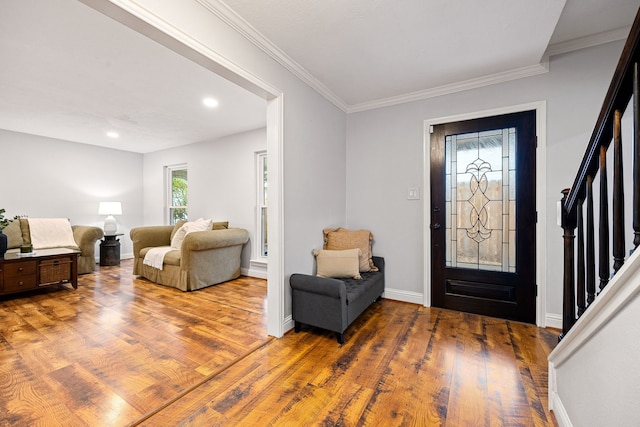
[[483, 216]]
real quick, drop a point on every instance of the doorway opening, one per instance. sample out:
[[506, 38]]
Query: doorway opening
[[152, 26]]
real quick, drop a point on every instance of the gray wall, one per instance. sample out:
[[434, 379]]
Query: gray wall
[[385, 157]]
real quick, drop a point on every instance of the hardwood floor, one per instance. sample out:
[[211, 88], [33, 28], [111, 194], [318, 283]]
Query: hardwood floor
[[123, 351], [118, 347]]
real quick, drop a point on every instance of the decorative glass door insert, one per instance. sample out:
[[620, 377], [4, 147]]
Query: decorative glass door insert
[[480, 200]]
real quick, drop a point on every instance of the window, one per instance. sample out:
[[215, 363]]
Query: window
[[263, 244], [177, 189]]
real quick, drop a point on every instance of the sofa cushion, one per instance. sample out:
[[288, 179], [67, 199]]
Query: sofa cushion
[[355, 288], [341, 238], [189, 227], [338, 264], [14, 235], [219, 225], [170, 258], [176, 227]]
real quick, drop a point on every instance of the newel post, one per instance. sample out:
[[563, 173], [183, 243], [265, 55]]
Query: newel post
[[569, 293]]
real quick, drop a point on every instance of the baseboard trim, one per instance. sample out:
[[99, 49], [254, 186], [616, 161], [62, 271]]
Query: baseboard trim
[[553, 320], [122, 256], [288, 323], [559, 411], [252, 272], [257, 268], [404, 296]]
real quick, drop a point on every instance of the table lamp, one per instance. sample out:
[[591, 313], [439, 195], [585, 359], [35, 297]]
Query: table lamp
[[110, 209]]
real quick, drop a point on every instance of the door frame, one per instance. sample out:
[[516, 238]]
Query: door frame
[[540, 108]]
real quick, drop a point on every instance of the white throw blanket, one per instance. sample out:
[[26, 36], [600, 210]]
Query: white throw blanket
[[51, 233], [155, 256]]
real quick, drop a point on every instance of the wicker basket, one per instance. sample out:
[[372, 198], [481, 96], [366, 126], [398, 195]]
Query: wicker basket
[[55, 271]]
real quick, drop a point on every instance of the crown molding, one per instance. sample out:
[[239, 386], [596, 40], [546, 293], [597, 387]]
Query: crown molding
[[588, 41], [475, 83], [239, 24]]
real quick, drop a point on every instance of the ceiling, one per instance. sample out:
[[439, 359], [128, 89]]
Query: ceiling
[[368, 51], [83, 74]]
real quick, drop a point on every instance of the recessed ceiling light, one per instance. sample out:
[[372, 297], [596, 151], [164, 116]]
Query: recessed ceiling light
[[210, 102], [113, 135]]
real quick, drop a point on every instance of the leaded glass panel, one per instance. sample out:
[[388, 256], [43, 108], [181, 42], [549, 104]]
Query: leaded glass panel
[[480, 200]]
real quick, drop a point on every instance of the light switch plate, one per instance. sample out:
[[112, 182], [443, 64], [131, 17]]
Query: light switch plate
[[413, 193]]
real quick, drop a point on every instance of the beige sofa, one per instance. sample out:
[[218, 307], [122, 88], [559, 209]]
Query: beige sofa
[[85, 236], [205, 258]]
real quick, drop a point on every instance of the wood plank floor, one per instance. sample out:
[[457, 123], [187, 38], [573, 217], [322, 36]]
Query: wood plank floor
[[120, 351], [402, 365], [118, 347]]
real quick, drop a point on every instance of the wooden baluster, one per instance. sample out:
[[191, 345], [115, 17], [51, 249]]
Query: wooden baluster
[[591, 251], [580, 280], [636, 155], [568, 296], [618, 195], [604, 221]]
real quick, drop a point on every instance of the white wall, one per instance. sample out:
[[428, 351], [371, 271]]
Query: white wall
[[598, 385], [222, 181], [385, 152], [48, 178], [594, 370]]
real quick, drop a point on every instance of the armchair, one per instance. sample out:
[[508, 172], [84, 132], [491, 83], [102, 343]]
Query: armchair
[[205, 258]]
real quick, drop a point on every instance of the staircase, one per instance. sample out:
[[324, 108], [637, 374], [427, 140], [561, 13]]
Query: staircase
[[594, 372]]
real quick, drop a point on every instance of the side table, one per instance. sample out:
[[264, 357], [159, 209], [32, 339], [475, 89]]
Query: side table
[[110, 250]]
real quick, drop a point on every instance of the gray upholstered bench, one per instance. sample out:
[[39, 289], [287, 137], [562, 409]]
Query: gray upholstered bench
[[333, 304]]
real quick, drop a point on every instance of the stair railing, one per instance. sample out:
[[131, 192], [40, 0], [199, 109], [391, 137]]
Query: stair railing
[[579, 278]]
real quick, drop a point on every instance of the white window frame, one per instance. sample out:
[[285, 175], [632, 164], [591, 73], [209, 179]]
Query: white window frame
[[261, 248], [169, 193]]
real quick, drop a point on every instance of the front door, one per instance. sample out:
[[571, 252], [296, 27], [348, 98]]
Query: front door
[[483, 217]]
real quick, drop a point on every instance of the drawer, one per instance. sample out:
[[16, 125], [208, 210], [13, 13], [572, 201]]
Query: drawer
[[19, 269], [19, 283]]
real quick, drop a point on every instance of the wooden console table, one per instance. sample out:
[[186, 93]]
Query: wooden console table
[[45, 267]]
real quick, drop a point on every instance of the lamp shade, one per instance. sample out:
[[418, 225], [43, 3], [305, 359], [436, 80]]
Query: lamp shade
[[110, 208]]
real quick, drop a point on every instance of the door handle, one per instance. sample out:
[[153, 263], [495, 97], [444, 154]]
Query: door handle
[[435, 226]]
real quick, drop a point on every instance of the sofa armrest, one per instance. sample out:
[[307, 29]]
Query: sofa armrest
[[86, 237], [151, 236], [212, 239], [378, 262], [334, 288]]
